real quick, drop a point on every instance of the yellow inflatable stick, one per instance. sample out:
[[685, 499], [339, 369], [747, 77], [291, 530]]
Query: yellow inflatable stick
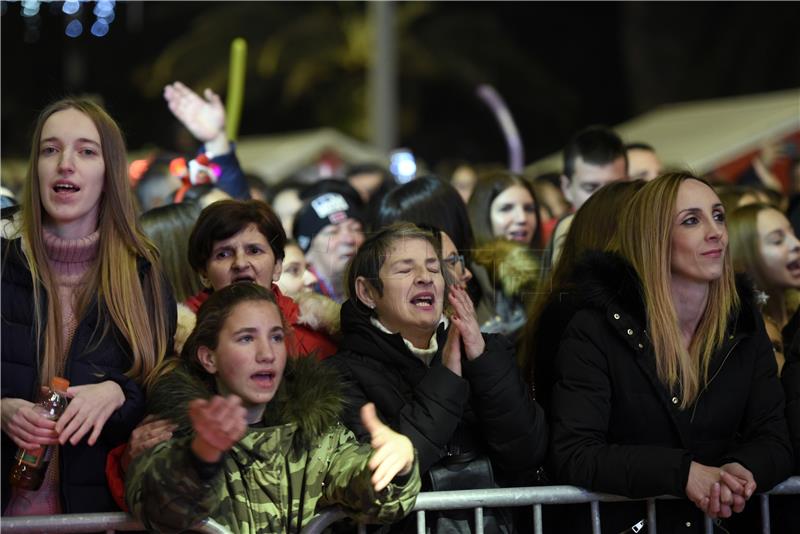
[[236, 76]]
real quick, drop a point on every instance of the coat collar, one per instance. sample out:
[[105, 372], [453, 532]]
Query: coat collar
[[362, 337], [307, 404], [608, 283]]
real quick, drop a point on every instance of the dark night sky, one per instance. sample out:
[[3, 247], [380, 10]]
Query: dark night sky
[[560, 66]]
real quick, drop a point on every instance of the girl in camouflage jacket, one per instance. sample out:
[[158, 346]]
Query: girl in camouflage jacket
[[259, 445]]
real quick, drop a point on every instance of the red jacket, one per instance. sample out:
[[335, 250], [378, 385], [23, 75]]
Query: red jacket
[[305, 340]]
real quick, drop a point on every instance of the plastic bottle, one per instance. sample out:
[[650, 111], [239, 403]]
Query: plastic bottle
[[30, 466]]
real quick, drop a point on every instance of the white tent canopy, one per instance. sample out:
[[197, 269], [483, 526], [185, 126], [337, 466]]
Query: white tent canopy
[[277, 156], [704, 135]]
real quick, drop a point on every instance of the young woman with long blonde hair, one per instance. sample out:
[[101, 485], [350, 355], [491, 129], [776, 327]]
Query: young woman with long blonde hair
[[665, 379], [83, 297]]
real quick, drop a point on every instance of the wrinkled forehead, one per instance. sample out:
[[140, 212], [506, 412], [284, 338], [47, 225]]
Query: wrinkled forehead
[[414, 248]]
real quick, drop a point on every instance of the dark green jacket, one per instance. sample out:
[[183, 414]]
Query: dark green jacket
[[276, 477]]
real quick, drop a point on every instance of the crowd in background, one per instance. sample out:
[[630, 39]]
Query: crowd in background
[[252, 354]]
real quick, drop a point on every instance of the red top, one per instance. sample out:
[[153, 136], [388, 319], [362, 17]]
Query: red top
[[305, 340]]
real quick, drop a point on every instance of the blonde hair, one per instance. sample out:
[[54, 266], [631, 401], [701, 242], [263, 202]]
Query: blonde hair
[[644, 238], [136, 308]]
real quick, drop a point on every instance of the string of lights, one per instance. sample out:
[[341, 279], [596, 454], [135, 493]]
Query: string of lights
[[103, 12]]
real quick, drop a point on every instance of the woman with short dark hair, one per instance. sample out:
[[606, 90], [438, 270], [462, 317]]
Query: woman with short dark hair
[[455, 392]]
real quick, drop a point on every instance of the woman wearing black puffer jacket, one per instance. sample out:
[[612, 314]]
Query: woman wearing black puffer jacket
[[457, 394], [666, 382]]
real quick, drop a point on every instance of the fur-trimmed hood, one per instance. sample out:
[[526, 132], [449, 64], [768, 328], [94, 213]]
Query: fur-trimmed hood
[[511, 267], [600, 279], [309, 396], [319, 312]]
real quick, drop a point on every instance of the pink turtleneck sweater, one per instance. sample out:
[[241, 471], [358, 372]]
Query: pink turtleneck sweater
[[69, 261]]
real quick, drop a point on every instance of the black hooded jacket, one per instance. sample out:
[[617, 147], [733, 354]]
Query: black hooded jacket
[[486, 410], [617, 429]]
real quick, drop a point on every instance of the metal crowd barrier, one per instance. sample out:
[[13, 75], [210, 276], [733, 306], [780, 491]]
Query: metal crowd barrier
[[440, 500]]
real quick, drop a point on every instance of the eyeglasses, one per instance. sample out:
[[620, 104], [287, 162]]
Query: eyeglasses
[[454, 259]]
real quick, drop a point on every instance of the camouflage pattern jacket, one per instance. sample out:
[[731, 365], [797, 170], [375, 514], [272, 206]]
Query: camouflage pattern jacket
[[276, 477]]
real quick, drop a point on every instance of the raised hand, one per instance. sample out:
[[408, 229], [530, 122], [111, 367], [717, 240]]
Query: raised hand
[[149, 433], [465, 320], [89, 409], [218, 423], [394, 453], [25, 425], [203, 117]]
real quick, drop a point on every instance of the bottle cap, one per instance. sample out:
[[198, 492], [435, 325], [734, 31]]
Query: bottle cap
[[59, 384]]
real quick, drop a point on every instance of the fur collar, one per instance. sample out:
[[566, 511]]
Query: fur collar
[[601, 279], [318, 312], [512, 266], [309, 396]]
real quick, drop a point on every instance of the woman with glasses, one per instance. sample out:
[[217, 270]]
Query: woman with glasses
[[412, 345]]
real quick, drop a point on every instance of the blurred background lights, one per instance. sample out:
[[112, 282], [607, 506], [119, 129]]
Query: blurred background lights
[[108, 18], [99, 28], [74, 28], [103, 8], [30, 8], [70, 8]]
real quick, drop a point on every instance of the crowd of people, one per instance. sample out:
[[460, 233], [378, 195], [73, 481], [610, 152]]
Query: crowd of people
[[251, 355]]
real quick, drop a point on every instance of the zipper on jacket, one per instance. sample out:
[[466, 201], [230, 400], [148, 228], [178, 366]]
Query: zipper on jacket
[[725, 359]]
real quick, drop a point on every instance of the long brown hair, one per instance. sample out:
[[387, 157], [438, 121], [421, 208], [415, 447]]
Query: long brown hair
[[644, 238], [136, 308], [593, 227]]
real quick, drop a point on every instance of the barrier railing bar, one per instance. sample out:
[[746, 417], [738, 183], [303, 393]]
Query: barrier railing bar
[[70, 523], [595, 510], [478, 521], [651, 516], [765, 527], [443, 500], [421, 521], [537, 519], [708, 525], [323, 519]]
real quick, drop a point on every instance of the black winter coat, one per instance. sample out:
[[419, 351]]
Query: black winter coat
[[618, 429], [82, 468], [487, 410], [791, 386]]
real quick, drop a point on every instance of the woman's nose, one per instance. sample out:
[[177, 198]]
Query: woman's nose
[[239, 259], [65, 163], [309, 278], [264, 351]]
